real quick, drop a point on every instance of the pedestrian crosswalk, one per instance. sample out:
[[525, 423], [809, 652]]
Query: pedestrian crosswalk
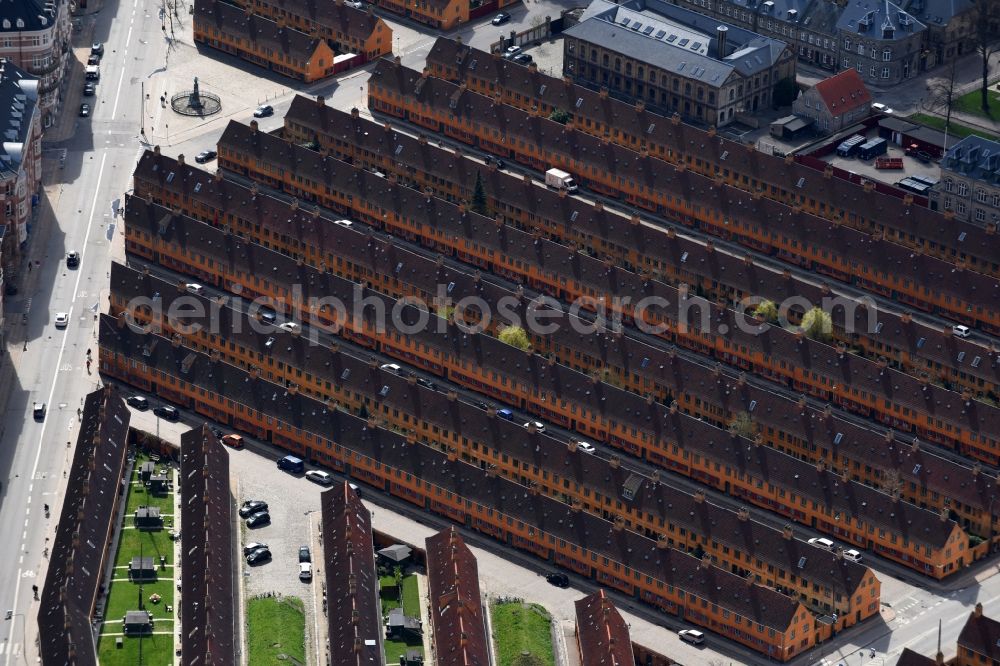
[[13, 649]]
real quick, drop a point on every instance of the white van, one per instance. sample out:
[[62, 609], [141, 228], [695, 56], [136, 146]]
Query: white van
[[961, 331]]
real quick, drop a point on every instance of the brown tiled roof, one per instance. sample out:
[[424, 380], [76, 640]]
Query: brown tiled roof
[[981, 634], [602, 633], [258, 30], [208, 574], [350, 368], [456, 608], [581, 102], [296, 410], [517, 127], [842, 498], [87, 522], [557, 262], [354, 618], [910, 658], [687, 253], [332, 15]]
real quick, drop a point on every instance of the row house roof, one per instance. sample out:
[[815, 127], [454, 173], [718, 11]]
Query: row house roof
[[460, 637]]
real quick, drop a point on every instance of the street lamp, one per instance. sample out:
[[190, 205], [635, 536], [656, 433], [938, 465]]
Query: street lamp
[[11, 616]]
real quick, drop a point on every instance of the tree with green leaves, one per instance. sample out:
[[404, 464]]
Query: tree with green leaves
[[766, 310], [743, 425], [560, 116], [515, 336], [817, 324], [479, 196], [785, 92]]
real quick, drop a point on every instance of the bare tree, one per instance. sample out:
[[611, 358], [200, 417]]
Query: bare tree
[[985, 33], [942, 93]]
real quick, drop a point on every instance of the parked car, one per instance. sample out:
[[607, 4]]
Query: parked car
[[304, 554], [259, 519], [505, 414], [89, 89], [961, 331], [97, 48], [232, 440], [879, 107], [558, 579], [205, 156], [305, 571], [167, 412], [500, 18], [344, 223], [268, 316], [692, 636], [586, 447], [290, 326], [84, 110], [320, 477], [522, 59], [292, 464], [259, 556], [390, 367], [93, 59], [251, 507], [852, 555], [426, 383], [252, 546], [924, 156], [72, 259], [512, 50], [62, 319], [38, 411], [139, 402], [539, 426], [195, 288], [820, 542], [263, 111]]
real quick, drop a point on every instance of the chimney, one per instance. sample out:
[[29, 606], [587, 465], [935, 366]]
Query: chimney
[[253, 126], [722, 32], [979, 611], [320, 100], [355, 113], [786, 532]]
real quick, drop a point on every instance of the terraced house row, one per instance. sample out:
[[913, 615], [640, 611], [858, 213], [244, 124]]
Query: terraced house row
[[763, 619], [664, 436], [821, 370], [912, 346], [926, 479], [790, 232], [712, 155], [825, 582]]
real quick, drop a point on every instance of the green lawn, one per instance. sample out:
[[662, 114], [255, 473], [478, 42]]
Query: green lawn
[[124, 595], [276, 631], [396, 649], [971, 103], [152, 543], [153, 649], [520, 628], [390, 595], [954, 129]]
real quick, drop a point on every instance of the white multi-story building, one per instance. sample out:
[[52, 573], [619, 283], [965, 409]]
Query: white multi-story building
[[35, 36]]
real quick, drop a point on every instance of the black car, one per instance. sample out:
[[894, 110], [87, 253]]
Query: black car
[[218, 433], [252, 546], [304, 554], [500, 18], [97, 48], [558, 579], [138, 402], [94, 60], [84, 110], [263, 111], [251, 507], [205, 156], [259, 519], [522, 59], [259, 556], [426, 383], [72, 259], [268, 316], [167, 412], [89, 89]]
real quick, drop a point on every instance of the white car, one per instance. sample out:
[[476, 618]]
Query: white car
[[539, 426], [852, 555], [320, 477], [343, 223], [512, 50], [692, 636], [195, 288], [62, 319], [879, 107], [820, 542], [390, 367], [289, 326], [305, 570], [586, 447], [961, 331]]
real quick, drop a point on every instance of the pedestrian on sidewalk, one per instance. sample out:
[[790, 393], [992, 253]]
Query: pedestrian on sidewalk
[[34, 589]]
